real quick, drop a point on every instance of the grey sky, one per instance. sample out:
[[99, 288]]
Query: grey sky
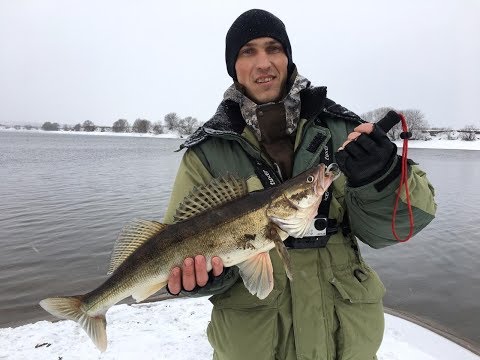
[[69, 61]]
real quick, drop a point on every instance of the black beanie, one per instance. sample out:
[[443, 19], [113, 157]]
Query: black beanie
[[254, 24]]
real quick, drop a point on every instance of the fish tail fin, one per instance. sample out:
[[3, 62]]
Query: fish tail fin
[[71, 308]]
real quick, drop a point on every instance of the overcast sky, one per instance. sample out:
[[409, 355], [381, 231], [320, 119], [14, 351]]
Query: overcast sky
[[71, 61]]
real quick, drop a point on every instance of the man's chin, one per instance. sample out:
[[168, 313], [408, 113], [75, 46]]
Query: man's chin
[[265, 98]]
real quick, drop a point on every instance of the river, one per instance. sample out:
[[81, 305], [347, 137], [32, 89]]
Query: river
[[65, 197]]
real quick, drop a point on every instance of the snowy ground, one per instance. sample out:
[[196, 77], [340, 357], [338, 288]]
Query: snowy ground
[[175, 330], [435, 143], [442, 144], [168, 135]]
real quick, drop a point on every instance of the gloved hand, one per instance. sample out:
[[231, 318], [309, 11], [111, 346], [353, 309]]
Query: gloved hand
[[368, 153]]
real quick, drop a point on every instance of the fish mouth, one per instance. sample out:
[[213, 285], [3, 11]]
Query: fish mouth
[[325, 176], [333, 170]]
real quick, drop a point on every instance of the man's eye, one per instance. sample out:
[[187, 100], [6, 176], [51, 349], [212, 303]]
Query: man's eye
[[246, 51], [275, 49]]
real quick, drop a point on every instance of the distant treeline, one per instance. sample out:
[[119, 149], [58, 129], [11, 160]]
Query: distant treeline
[[419, 126], [416, 121], [171, 123]]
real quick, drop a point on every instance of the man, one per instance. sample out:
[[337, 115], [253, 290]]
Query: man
[[272, 125]]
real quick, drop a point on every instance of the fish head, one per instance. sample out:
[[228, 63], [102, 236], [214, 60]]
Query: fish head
[[296, 202], [308, 188]]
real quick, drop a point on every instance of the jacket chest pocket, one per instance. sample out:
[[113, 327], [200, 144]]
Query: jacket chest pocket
[[358, 285], [359, 310]]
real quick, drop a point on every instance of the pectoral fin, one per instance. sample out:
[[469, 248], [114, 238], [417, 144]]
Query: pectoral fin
[[281, 249], [257, 275]]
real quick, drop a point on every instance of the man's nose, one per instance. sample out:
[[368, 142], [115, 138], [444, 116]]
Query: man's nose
[[263, 60]]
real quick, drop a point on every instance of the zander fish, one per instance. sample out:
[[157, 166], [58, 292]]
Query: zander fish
[[219, 219]]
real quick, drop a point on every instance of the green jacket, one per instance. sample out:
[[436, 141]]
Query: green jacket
[[333, 307]]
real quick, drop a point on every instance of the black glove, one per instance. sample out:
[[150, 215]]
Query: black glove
[[370, 156]]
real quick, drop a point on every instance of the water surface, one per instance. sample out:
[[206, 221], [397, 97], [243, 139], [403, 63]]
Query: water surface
[[64, 198]]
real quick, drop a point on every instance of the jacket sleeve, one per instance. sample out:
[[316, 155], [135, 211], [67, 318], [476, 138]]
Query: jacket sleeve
[[370, 207], [191, 173]]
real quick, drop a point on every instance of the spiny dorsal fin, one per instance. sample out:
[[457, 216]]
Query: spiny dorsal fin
[[202, 198], [132, 236]]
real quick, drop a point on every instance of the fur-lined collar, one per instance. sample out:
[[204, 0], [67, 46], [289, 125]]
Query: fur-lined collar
[[228, 118]]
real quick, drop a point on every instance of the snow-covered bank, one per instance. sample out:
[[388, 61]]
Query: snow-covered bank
[[176, 330], [435, 143], [442, 144], [168, 135]]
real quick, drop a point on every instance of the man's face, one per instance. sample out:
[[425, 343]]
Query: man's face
[[261, 68]]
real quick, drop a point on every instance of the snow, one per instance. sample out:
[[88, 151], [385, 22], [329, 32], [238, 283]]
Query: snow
[[439, 142], [167, 135], [175, 329], [442, 144]]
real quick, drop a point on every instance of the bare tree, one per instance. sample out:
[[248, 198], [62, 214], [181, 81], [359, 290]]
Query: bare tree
[[141, 126], [453, 135], [378, 114], [77, 127], [48, 126], [158, 128], [415, 121], [375, 115], [89, 126], [187, 125], [121, 126], [469, 133], [172, 121]]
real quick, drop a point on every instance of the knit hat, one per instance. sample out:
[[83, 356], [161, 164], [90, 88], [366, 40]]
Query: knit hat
[[254, 24]]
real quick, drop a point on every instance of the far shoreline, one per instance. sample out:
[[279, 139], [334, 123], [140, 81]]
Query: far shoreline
[[434, 143]]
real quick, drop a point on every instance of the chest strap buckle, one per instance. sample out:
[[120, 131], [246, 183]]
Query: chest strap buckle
[[317, 236]]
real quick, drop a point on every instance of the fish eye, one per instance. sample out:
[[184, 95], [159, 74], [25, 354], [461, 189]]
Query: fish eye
[[310, 179]]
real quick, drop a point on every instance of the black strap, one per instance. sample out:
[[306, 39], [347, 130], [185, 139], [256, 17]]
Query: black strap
[[323, 210], [264, 173], [326, 158]]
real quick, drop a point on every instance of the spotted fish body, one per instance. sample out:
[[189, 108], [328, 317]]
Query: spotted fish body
[[219, 219]]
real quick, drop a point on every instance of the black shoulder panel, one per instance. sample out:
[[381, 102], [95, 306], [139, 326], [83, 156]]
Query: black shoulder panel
[[316, 104], [312, 101], [227, 119], [338, 111]]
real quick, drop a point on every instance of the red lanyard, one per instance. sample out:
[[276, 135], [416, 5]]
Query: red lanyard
[[403, 182]]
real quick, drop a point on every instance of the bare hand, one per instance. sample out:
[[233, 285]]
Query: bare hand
[[193, 273]]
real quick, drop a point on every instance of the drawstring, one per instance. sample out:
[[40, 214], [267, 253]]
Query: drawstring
[[405, 135]]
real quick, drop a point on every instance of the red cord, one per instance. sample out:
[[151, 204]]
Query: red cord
[[403, 181]]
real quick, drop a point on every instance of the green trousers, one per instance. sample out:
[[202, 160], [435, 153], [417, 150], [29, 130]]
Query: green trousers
[[325, 313]]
